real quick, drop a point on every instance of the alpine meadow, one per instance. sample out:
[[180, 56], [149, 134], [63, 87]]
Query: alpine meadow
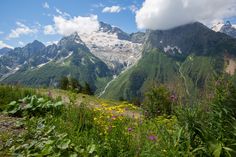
[[139, 78]]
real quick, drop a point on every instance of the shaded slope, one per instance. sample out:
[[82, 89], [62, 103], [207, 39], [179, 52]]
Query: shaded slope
[[74, 60]]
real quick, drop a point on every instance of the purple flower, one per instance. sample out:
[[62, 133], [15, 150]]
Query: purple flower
[[113, 117], [173, 97], [130, 129], [152, 137]]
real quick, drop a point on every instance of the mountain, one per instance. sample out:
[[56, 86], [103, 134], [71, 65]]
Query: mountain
[[95, 57], [186, 59], [18, 58], [116, 48], [226, 28], [44, 66], [4, 51]]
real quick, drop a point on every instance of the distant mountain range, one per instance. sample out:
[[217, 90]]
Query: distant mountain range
[[186, 59], [94, 58], [226, 28], [120, 65]]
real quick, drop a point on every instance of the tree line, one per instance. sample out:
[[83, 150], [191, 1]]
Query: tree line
[[72, 84]]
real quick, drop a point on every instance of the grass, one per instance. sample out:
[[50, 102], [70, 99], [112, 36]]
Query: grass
[[10, 93], [88, 126]]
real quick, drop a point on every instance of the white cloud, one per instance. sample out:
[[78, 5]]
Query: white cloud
[[2, 45], [1, 32], [21, 30], [46, 5], [166, 14], [67, 26], [112, 9], [64, 14], [49, 30]]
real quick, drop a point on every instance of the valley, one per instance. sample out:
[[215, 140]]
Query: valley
[[142, 78]]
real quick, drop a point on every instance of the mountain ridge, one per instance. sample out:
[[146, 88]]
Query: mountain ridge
[[186, 59], [129, 63]]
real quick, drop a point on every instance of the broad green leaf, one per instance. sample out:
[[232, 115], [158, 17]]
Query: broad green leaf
[[217, 150], [47, 150], [73, 155], [64, 144], [91, 148]]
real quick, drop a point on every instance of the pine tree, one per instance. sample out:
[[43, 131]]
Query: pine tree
[[64, 83], [87, 89], [75, 86]]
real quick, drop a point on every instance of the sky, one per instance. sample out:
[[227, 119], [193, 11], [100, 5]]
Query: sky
[[23, 21]]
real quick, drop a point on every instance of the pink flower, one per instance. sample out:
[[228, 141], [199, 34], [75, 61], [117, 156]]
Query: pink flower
[[152, 137], [130, 129]]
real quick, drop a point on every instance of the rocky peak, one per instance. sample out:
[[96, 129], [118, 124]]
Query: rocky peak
[[104, 27], [226, 28], [35, 45], [73, 39]]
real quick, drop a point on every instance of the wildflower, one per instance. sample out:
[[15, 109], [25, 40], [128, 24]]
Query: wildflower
[[130, 129], [113, 117], [173, 97], [152, 137]]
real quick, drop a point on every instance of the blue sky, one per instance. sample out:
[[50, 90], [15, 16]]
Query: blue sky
[[34, 14], [23, 21]]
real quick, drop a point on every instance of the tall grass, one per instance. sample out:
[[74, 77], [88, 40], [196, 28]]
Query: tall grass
[[10, 93], [86, 131]]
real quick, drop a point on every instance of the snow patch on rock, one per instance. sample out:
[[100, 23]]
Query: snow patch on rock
[[172, 49]]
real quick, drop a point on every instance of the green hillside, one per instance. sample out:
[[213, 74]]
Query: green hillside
[[188, 78], [81, 65]]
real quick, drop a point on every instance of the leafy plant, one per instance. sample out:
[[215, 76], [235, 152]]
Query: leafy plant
[[33, 106]]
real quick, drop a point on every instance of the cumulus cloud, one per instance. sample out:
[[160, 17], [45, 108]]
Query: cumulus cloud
[[49, 30], [2, 45], [21, 30], [46, 5], [112, 9], [66, 26], [166, 14]]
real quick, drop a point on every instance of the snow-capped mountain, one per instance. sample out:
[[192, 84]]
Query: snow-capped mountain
[[113, 46], [36, 64], [226, 28], [110, 44]]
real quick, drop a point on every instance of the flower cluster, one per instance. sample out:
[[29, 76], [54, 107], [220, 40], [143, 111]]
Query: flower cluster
[[108, 117]]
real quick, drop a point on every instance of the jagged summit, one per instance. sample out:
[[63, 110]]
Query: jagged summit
[[190, 38], [227, 28], [36, 45], [104, 27], [72, 40]]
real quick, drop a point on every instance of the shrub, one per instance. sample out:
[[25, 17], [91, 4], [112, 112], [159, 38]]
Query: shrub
[[158, 102]]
